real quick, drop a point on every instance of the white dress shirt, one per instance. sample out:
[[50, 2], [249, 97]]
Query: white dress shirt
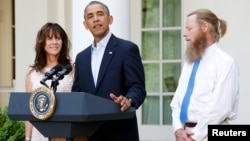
[[215, 94], [97, 55]]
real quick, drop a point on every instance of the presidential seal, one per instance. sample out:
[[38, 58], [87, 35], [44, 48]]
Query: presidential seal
[[42, 103]]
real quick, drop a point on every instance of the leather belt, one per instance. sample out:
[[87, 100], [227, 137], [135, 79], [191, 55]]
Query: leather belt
[[190, 124]]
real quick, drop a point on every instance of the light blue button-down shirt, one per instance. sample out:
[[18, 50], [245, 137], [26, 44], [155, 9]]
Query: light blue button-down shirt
[[97, 55]]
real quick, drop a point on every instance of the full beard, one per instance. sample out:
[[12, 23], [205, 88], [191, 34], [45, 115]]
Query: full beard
[[196, 49]]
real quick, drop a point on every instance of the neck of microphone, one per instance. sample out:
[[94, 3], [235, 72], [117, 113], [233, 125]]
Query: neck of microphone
[[43, 83], [49, 74]]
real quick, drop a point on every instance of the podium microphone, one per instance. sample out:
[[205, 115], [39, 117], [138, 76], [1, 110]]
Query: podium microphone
[[60, 75], [49, 74]]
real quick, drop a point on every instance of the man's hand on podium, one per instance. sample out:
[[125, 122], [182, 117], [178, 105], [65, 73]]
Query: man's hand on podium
[[123, 101]]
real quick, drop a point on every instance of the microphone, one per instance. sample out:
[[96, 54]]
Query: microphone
[[49, 74], [60, 74]]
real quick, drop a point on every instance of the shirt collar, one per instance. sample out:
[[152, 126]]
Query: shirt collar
[[102, 43], [209, 51]]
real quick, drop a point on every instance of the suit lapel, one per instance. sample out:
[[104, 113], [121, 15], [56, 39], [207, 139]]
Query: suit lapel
[[88, 73], [107, 56]]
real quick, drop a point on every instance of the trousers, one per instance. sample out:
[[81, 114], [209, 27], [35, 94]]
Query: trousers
[[206, 138]]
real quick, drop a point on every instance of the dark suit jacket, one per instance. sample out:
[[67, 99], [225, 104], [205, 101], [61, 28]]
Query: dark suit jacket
[[122, 73]]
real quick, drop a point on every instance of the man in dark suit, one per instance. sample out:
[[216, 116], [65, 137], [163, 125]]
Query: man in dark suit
[[110, 68]]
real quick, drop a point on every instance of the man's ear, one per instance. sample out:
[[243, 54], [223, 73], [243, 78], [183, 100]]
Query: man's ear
[[110, 19], [205, 26], [85, 25]]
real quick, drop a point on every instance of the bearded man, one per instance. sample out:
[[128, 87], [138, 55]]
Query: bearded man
[[208, 89]]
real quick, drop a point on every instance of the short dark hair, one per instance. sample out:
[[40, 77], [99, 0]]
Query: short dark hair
[[96, 2]]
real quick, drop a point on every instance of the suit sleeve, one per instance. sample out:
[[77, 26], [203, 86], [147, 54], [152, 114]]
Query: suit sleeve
[[76, 85], [134, 76]]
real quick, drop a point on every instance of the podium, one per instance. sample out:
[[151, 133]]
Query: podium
[[77, 114]]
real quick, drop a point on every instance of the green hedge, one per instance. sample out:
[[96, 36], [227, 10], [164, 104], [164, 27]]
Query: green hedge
[[10, 130]]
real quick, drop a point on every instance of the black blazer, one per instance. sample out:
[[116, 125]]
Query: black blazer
[[122, 73]]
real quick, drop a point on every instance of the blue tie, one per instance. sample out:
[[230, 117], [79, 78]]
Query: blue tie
[[186, 99]]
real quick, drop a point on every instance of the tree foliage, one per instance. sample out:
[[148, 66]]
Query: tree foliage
[[10, 130]]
